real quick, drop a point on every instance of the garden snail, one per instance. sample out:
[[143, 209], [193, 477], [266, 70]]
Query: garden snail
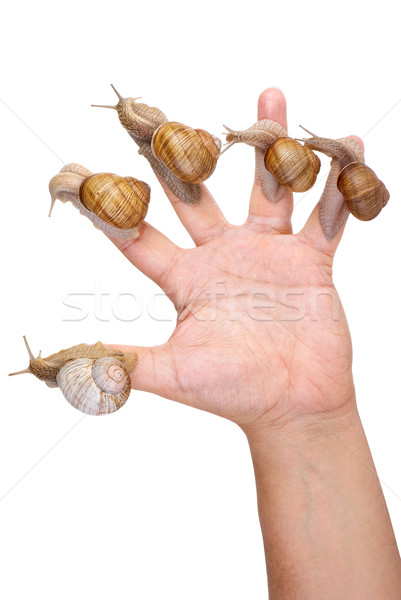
[[183, 157], [363, 192], [293, 166], [93, 379], [116, 205]]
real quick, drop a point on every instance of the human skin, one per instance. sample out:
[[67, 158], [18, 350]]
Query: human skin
[[262, 339]]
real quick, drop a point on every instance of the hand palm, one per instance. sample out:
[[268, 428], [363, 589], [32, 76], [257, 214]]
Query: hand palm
[[260, 331], [259, 328]]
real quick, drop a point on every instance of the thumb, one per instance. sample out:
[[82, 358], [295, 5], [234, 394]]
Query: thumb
[[154, 370]]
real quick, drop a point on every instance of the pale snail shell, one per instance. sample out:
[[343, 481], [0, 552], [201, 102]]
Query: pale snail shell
[[116, 205], [92, 378], [293, 166], [365, 195], [181, 156]]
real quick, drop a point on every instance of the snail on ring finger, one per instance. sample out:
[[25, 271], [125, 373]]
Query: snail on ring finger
[[94, 379], [282, 163], [116, 205], [181, 156]]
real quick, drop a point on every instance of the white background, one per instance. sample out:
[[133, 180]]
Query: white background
[[158, 500]]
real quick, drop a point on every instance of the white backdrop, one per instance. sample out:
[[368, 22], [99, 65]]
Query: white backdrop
[[158, 500]]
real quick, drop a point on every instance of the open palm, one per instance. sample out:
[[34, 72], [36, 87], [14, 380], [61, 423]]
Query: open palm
[[261, 335]]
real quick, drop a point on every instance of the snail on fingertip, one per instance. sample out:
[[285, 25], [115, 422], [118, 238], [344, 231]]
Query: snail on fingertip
[[116, 205], [94, 379], [181, 156], [364, 193], [293, 166]]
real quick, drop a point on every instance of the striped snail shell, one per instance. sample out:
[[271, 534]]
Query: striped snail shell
[[94, 379], [362, 190], [365, 195], [191, 154], [182, 157], [293, 166], [116, 205]]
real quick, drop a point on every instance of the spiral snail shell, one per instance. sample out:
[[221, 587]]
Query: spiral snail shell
[[94, 379], [293, 166], [181, 156], [116, 205], [362, 190], [364, 194], [191, 154]]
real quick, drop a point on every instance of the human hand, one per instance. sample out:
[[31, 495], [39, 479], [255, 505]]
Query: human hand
[[261, 336]]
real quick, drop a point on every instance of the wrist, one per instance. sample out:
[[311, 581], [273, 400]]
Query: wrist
[[299, 427], [323, 516]]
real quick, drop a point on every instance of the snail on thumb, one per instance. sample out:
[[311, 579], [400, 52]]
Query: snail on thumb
[[116, 205], [292, 166], [365, 195], [93, 379], [181, 156]]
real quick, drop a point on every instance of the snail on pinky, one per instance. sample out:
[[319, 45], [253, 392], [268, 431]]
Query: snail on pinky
[[293, 166], [181, 156], [365, 195], [94, 379], [116, 205]]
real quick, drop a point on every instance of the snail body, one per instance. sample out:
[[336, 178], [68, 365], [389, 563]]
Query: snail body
[[116, 205], [181, 156], [293, 166], [139, 119], [94, 379], [363, 192]]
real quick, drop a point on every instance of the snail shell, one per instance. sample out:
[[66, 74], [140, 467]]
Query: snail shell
[[191, 154], [119, 201], [95, 387], [364, 194], [293, 165], [362, 190], [94, 379], [141, 122], [116, 205]]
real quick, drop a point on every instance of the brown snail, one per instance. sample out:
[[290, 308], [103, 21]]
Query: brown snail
[[181, 156], [363, 192], [293, 166], [116, 205], [94, 379], [191, 154]]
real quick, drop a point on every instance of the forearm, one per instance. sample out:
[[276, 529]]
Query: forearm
[[325, 524]]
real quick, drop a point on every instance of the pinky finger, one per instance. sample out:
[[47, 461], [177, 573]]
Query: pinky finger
[[325, 225]]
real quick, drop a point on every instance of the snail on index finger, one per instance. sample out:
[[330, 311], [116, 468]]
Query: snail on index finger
[[93, 379], [116, 205], [365, 195], [293, 166], [181, 156]]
